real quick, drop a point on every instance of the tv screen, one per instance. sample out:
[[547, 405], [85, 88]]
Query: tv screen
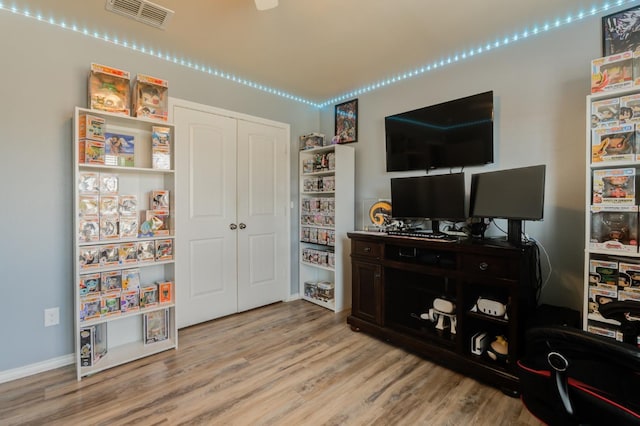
[[508, 194], [436, 197], [456, 133]]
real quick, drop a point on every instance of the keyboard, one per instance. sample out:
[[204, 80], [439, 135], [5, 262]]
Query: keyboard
[[425, 235]]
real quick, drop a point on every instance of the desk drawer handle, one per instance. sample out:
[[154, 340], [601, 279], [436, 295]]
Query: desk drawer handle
[[367, 249], [483, 266]]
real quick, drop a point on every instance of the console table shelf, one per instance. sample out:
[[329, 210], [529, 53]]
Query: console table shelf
[[397, 279]]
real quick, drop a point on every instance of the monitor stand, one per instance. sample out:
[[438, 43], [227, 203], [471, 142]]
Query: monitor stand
[[513, 239], [514, 232], [435, 227]]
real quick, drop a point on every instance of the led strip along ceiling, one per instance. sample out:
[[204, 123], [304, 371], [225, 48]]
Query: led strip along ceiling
[[443, 62]]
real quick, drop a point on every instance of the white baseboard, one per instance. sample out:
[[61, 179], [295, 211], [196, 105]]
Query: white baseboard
[[38, 367], [292, 297]]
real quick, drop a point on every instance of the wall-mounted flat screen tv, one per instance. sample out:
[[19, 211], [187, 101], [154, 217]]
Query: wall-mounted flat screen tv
[[456, 133]]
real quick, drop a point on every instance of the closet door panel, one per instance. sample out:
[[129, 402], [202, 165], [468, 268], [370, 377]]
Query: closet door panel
[[263, 209], [206, 246]]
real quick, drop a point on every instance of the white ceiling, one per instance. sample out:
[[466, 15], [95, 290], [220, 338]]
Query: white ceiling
[[318, 49]]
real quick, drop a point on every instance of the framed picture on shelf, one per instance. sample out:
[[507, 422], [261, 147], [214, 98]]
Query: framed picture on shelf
[[346, 117], [621, 31]]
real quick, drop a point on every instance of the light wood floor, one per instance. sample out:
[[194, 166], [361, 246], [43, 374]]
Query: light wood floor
[[284, 364]]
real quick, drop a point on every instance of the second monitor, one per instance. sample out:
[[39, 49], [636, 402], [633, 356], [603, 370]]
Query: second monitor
[[433, 197]]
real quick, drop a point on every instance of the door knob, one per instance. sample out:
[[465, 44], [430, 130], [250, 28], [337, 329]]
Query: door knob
[[242, 225], [233, 226]]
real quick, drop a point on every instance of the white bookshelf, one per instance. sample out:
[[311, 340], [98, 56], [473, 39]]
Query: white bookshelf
[[330, 224], [598, 246], [125, 338]]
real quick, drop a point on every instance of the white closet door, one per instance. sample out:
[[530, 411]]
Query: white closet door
[[263, 207], [206, 247]]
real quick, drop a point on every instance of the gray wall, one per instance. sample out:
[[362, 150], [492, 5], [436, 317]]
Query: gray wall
[[540, 86], [44, 72]]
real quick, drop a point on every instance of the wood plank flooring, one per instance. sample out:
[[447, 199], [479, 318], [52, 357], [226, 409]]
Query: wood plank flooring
[[284, 364]]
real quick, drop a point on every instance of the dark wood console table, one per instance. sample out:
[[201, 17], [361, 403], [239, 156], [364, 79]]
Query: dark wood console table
[[396, 280]]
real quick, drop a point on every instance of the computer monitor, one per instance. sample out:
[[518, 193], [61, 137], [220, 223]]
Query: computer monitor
[[434, 197], [513, 194]]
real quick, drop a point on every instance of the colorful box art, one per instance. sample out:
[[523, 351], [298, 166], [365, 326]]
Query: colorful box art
[[613, 187], [612, 72], [613, 144], [614, 228], [109, 89], [150, 97], [119, 150]]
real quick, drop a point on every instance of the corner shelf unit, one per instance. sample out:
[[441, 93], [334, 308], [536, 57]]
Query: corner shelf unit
[[123, 331], [327, 182], [611, 257]]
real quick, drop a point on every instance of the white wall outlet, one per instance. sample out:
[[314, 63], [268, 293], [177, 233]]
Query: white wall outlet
[[51, 317]]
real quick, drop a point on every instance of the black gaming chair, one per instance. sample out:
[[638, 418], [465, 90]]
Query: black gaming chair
[[572, 377]]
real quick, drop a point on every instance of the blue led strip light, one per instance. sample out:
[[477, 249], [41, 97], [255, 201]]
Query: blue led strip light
[[483, 48], [421, 70]]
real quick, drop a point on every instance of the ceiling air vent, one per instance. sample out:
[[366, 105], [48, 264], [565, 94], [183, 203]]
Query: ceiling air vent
[[142, 11]]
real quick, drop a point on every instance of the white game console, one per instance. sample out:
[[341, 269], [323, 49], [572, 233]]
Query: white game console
[[491, 307]]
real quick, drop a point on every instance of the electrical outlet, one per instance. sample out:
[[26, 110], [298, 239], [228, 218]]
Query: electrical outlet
[[51, 317]]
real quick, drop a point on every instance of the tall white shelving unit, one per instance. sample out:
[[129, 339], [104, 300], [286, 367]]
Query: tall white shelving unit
[[611, 212], [124, 330], [327, 181]]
